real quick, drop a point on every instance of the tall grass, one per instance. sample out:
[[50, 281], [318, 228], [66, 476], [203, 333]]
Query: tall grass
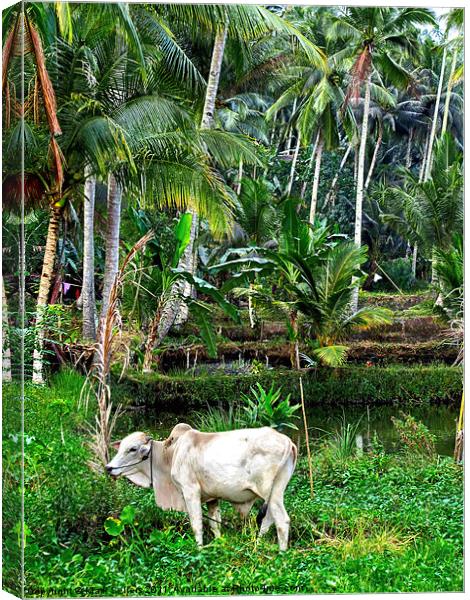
[[342, 443], [218, 419]]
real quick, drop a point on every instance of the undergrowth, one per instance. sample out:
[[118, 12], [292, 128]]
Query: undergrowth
[[376, 523]]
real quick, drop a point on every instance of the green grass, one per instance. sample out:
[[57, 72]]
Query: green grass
[[377, 523]]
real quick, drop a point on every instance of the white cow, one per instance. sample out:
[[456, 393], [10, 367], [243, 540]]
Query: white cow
[[192, 467]]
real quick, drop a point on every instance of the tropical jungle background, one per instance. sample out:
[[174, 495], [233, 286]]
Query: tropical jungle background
[[233, 216]]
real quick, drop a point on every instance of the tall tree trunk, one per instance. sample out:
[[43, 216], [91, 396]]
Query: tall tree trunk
[[421, 178], [414, 260], [290, 139], [316, 181], [113, 225], [425, 156], [179, 311], [408, 149], [188, 262], [310, 165], [360, 182], [214, 76], [6, 351], [356, 162], [448, 93], [434, 276], [427, 172], [240, 175], [293, 166], [374, 157], [332, 191], [88, 285], [44, 289]]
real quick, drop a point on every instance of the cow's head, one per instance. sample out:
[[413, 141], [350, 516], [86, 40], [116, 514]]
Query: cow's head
[[132, 459]]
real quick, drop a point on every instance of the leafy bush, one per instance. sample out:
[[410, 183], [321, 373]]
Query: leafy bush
[[267, 408], [218, 419], [415, 436]]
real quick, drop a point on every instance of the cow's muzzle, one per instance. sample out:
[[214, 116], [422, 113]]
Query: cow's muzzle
[[109, 471]]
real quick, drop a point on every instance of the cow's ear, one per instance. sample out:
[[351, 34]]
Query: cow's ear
[[116, 445]]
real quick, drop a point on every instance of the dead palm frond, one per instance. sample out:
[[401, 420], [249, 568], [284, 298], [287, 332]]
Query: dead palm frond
[[23, 39], [97, 383]]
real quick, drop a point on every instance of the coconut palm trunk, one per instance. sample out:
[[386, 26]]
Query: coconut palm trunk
[[176, 312], [293, 166], [408, 149], [316, 181], [113, 225], [427, 172], [374, 157], [240, 175], [332, 191], [360, 181], [290, 139], [6, 351], [88, 284], [421, 177], [45, 284], [310, 166], [445, 117]]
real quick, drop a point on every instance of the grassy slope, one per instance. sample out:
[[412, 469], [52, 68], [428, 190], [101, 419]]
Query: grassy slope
[[377, 523]]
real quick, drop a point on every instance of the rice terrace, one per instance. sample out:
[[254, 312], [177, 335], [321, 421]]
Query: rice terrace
[[232, 299]]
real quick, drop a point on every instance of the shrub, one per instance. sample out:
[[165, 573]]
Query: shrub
[[415, 436], [267, 408]]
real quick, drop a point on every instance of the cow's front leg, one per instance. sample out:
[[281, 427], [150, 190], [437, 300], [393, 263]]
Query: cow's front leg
[[192, 499], [214, 517]]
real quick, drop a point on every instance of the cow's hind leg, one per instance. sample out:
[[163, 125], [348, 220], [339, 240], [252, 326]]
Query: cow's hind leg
[[282, 521], [276, 510], [266, 521], [192, 499], [214, 517]]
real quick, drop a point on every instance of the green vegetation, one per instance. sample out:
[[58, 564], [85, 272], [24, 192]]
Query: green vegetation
[[345, 385], [217, 202], [377, 522], [260, 408]]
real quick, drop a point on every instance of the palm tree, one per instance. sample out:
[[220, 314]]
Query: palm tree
[[372, 35], [315, 275], [454, 23], [433, 208], [240, 22], [88, 283], [24, 35], [244, 113]]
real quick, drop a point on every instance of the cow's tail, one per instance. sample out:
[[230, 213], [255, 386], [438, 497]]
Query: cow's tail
[[281, 479]]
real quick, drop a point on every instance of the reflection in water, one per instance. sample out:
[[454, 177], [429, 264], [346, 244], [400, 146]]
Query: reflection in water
[[374, 421]]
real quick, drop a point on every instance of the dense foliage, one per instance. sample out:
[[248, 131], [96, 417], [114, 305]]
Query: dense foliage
[[219, 200]]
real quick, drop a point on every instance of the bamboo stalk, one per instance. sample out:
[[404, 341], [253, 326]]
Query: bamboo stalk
[[307, 443]]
